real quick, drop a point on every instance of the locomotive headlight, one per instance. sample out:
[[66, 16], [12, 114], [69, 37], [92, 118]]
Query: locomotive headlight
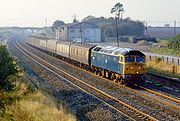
[[137, 72], [127, 67]]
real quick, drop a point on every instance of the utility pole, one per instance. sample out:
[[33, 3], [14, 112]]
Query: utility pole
[[117, 31], [146, 33], [174, 28], [46, 26], [45, 22], [81, 31]]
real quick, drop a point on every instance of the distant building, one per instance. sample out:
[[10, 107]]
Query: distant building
[[163, 32], [80, 32]]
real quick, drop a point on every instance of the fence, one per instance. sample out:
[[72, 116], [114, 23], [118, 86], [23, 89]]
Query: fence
[[167, 59]]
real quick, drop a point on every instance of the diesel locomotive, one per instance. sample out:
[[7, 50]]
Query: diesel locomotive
[[122, 65]]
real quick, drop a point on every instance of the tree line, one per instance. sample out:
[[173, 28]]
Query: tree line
[[126, 27]]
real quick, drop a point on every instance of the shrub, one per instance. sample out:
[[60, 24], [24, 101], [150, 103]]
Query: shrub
[[9, 70]]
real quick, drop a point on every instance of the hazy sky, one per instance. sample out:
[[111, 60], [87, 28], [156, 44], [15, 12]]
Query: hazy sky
[[34, 12]]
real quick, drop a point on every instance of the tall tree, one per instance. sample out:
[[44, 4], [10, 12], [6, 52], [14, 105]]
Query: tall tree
[[117, 10], [58, 23]]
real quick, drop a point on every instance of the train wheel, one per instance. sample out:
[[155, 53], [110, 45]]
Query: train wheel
[[122, 81]]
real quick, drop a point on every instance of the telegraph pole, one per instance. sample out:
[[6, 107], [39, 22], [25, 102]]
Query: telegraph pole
[[116, 18], [174, 28], [146, 29], [46, 25]]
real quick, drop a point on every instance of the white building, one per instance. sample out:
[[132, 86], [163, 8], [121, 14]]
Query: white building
[[80, 32]]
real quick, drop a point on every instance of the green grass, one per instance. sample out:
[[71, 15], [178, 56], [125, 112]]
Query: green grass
[[165, 51]]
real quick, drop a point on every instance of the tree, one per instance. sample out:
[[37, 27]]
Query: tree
[[117, 10], [90, 17], [8, 69], [175, 43], [58, 23], [127, 27]]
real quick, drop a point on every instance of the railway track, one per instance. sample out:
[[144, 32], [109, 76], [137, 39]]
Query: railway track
[[164, 99], [163, 81], [113, 102], [42, 55]]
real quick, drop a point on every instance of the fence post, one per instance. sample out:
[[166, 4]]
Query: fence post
[[173, 60], [150, 57], [162, 58]]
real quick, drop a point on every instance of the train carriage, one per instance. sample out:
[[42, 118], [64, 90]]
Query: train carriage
[[51, 45], [43, 44], [62, 48], [36, 42], [81, 53], [33, 40]]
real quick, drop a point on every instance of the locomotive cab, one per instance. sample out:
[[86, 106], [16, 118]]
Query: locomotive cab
[[134, 67]]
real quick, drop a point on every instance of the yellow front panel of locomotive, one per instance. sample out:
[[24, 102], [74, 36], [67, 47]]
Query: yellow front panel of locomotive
[[134, 68]]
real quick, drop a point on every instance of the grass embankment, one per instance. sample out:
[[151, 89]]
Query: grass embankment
[[29, 104], [165, 51], [22, 101], [161, 68], [165, 47]]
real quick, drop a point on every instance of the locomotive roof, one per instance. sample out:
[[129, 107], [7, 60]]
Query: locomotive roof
[[110, 50]]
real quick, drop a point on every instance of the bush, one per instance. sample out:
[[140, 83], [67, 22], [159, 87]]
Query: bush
[[175, 43], [9, 70]]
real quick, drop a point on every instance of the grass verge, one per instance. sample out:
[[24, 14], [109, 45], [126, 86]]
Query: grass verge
[[161, 68], [165, 51], [27, 103]]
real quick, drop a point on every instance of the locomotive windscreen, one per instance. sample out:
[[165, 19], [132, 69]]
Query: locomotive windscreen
[[135, 52]]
